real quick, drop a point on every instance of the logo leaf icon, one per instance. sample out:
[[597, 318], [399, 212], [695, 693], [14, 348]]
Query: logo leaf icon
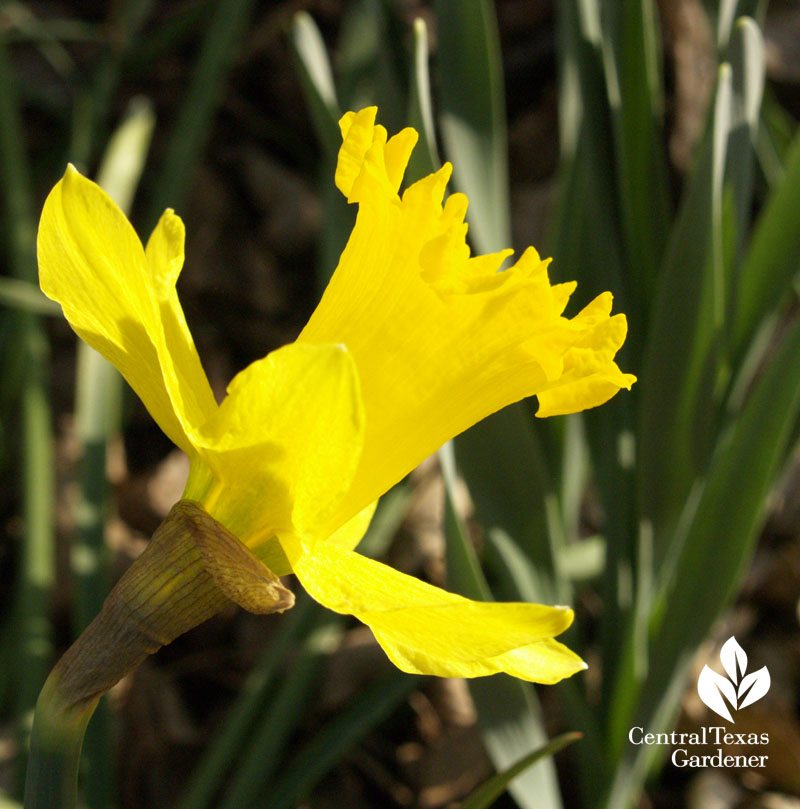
[[753, 687], [711, 687], [734, 659]]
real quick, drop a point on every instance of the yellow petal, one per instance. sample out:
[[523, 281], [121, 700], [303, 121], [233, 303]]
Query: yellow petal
[[426, 630], [164, 253], [284, 444], [93, 264], [347, 537], [355, 142], [352, 532], [440, 338], [180, 362], [368, 164], [589, 376]]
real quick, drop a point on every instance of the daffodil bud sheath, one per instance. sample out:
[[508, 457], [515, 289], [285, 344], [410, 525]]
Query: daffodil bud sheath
[[191, 569]]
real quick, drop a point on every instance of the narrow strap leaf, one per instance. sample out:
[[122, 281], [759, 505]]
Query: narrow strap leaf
[[487, 793]]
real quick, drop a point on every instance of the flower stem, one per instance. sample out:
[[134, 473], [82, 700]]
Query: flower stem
[[191, 569], [56, 740], [163, 594]]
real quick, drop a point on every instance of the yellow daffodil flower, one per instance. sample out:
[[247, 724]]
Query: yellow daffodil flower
[[413, 342]]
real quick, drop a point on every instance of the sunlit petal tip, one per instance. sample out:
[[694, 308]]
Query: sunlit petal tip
[[373, 183], [397, 154], [582, 392], [78, 192], [547, 662], [561, 294], [530, 263], [357, 137], [371, 166], [597, 309], [363, 119], [455, 207], [428, 192], [346, 121], [165, 252]]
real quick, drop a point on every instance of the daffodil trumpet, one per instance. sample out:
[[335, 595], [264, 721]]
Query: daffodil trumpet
[[414, 341]]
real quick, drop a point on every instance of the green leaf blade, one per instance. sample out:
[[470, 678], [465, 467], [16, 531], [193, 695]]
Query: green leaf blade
[[472, 115], [488, 792]]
